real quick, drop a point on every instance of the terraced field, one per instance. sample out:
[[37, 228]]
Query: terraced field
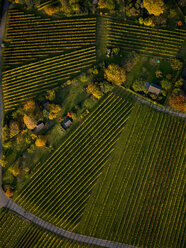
[[143, 39], [60, 187], [16, 232], [139, 198], [27, 81], [30, 37]]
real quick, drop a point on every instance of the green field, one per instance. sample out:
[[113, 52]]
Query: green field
[[60, 187], [30, 37], [16, 232], [139, 198], [145, 40], [22, 83]]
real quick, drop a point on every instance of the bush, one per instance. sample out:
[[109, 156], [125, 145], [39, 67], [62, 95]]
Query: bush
[[14, 128], [53, 111], [8, 191], [106, 87], [176, 64], [88, 103], [41, 141], [166, 85], [139, 85], [94, 90], [50, 95], [30, 106]]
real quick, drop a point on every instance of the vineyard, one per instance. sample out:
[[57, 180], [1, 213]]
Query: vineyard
[[60, 187], [16, 232], [145, 40], [30, 37], [139, 199], [27, 81]]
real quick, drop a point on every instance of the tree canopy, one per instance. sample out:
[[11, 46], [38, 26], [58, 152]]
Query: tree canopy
[[41, 141], [115, 74], [154, 7], [94, 90], [178, 102], [29, 121], [139, 85]]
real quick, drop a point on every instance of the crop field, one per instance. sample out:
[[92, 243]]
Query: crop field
[[144, 39], [139, 198], [30, 37], [60, 187], [16, 232], [27, 81]]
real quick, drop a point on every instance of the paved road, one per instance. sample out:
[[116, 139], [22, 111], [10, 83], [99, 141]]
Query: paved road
[[59, 231], [165, 110]]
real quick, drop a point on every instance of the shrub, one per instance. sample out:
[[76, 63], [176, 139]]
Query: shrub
[[8, 191], [176, 64], [29, 106], [50, 95], [53, 111], [166, 85], [14, 128], [179, 83], [139, 85], [94, 90], [41, 141]]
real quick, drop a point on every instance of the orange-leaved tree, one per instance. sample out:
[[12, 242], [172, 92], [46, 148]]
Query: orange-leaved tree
[[29, 121], [41, 141], [30, 106], [178, 102]]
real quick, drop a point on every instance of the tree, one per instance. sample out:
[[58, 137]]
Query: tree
[[50, 10], [14, 128], [29, 121], [178, 102], [50, 95], [106, 87], [8, 191], [94, 90], [176, 64], [166, 85], [115, 74], [139, 85], [106, 4], [15, 169], [41, 141], [179, 83], [53, 111], [30, 106], [154, 7]]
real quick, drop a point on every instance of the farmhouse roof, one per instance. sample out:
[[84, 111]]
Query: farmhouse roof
[[67, 122], [39, 127], [155, 89]]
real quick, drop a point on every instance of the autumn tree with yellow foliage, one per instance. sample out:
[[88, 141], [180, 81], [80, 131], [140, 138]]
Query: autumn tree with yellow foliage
[[41, 141], [53, 111], [154, 7], [115, 74], [94, 90], [30, 106]]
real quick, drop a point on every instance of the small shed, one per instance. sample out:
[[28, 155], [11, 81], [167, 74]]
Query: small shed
[[67, 122], [155, 89], [40, 126]]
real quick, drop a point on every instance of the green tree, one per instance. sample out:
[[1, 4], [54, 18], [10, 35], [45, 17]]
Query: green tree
[[115, 74], [166, 85], [176, 64], [139, 85], [154, 7], [179, 83], [50, 95]]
